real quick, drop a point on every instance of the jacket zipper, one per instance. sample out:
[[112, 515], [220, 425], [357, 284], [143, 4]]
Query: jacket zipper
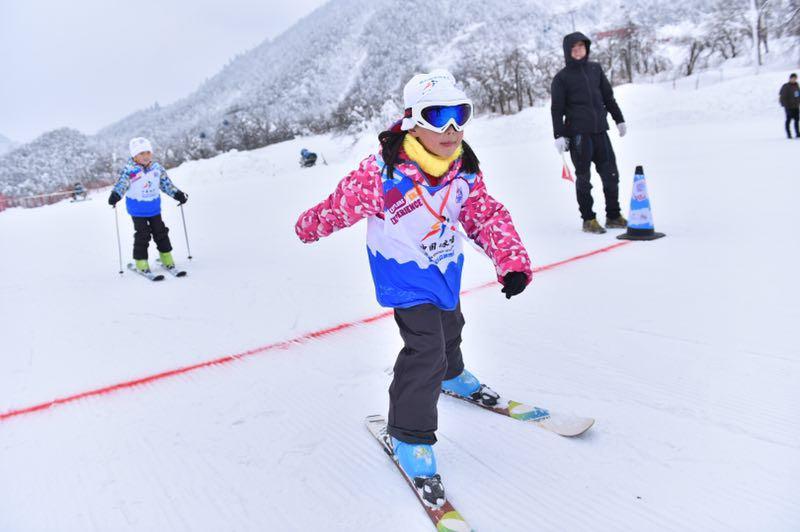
[[591, 101]]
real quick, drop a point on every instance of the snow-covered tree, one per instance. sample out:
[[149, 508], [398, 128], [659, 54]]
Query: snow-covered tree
[[343, 68], [54, 161]]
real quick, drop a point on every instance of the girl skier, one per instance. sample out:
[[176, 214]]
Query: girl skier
[[423, 182], [144, 180]]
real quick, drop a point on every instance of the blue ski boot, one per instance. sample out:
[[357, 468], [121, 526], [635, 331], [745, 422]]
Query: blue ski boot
[[419, 464], [466, 386]]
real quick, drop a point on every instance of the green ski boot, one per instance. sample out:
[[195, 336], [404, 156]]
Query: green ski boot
[[591, 226], [167, 260], [143, 266]]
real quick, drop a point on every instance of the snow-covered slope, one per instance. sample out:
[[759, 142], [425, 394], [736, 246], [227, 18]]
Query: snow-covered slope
[[682, 348]]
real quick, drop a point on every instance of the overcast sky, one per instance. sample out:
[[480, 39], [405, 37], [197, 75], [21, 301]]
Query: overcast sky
[[87, 63]]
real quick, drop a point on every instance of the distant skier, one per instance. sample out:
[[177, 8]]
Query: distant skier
[[581, 99], [307, 158], [143, 180], [790, 100], [78, 192], [422, 184]]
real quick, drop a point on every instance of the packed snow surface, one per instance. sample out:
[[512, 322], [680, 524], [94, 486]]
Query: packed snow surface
[[683, 349]]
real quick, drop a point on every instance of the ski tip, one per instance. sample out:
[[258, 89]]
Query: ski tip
[[589, 424], [572, 428]]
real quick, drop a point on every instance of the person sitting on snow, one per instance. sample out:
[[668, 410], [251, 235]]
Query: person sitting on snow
[[78, 191], [143, 180], [307, 158]]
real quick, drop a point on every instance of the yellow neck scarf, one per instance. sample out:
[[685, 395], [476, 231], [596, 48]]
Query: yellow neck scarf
[[431, 164]]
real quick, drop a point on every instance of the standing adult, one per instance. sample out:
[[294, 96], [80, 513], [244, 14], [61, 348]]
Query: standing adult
[[582, 97], [790, 100]]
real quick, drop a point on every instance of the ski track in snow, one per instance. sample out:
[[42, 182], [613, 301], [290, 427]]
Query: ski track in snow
[[682, 349]]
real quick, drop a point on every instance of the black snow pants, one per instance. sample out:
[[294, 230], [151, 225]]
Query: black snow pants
[[585, 149], [146, 226], [431, 354], [792, 114]]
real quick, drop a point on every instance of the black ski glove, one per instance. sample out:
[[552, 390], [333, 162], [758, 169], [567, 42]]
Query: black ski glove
[[181, 197], [514, 283], [114, 198]]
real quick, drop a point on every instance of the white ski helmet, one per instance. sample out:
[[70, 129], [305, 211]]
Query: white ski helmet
[[138, 145]]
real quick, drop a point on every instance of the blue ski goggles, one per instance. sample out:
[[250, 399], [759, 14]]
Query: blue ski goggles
[[439, 118]]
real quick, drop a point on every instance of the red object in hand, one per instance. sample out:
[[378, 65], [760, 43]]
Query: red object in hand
[[566, 173]]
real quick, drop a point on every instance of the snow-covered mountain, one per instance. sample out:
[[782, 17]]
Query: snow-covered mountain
[[345, 59], [343, 66], [53, 161], [341, 63]]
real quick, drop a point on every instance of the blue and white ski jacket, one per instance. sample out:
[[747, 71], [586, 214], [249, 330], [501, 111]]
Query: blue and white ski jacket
[[143, 187]]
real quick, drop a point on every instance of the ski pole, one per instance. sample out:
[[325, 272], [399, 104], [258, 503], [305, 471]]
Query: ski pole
[[119, 244], [185, 233]]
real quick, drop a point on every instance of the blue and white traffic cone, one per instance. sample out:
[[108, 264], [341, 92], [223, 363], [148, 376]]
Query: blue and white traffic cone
[[640, 220]]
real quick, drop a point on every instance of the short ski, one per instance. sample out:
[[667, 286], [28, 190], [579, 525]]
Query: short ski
[[562, 425], [175, 272], [150, 275], [444, 517]]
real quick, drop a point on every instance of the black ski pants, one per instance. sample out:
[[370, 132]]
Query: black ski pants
[[146, 226], [792, 114], [431, 354], [585, 149]]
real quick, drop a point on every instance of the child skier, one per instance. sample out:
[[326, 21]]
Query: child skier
[[424, 182], [143, 180]]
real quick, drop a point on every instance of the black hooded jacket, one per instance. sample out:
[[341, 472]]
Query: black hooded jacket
[[790, 95], [581, 94]]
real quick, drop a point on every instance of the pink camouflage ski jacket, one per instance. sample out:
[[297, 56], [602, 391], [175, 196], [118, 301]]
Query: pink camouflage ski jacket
[[413, 240]]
